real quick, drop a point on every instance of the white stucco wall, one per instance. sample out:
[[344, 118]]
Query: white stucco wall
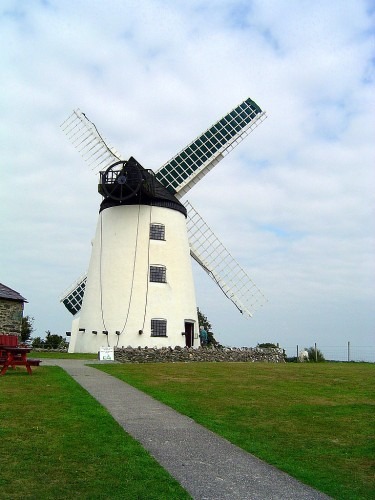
[[119, 295]]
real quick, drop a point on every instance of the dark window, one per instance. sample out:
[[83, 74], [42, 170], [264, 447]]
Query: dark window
[[158, 328], [158, 274], [157, 232]]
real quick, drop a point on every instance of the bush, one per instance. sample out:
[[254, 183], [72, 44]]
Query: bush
[[27, 328], [52, 341], [315, 355], [37, 343], [292, 359]]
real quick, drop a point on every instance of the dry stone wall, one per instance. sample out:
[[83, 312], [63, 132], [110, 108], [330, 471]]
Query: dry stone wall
[[208, 354]]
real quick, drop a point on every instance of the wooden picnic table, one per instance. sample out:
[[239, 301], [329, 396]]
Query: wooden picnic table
[[17, 356]]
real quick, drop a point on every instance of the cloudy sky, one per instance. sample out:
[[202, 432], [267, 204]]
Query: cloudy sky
[[294, 203]]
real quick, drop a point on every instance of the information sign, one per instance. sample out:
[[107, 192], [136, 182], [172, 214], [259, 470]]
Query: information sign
[[106, 354]]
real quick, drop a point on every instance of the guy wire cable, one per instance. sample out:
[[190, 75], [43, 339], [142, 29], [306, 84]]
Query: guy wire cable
[[100, 273], [133, 274], [100, 136], [148, 271]]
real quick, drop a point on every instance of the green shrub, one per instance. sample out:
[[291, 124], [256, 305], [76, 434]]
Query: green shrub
[[315, 355], [37, 343], [52, 341], [291, 359]]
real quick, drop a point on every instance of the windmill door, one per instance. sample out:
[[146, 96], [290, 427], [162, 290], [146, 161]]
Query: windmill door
[[189, 334]]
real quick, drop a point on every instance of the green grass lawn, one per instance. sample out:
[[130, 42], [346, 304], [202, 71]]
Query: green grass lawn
[[315, 421], [312, 420], [61, 355], [57, 442]]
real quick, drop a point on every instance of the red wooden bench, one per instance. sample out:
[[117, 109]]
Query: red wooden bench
[[12, 341], [34, 362], [8, 341]]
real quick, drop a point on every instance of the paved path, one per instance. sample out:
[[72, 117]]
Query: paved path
[[206, 465]]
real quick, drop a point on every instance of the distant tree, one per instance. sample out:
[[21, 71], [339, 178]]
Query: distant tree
[[53, 341], [315, 355], [37, 343], [27, 328], [203, 321]]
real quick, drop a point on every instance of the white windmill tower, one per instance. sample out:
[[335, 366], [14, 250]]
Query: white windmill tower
[[139, 288]]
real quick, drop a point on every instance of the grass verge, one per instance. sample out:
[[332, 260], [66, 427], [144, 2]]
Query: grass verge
[[61, 355], [314, 421], [57, 442]]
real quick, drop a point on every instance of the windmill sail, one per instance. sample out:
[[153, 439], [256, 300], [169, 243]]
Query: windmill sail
[[214, 258], [186, 168], [86, 138], [73, 296]]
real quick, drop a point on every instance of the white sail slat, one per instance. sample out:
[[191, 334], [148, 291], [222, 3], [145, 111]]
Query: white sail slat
[[218, 263]]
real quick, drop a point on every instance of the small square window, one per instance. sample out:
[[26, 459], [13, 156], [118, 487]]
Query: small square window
[[157, 232], [158, 274], [158, 328]]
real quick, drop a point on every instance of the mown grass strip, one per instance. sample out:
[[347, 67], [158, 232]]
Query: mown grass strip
[[61, 355], [57, 442], [314, 421]]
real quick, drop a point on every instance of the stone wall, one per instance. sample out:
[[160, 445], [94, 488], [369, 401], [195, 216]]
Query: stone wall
[[11, 312], [185, 354]]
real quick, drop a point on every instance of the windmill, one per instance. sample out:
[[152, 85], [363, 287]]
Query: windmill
[[139, 288]]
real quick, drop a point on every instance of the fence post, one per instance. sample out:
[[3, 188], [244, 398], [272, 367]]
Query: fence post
[[297, 354], [316, 353], [348, 352]]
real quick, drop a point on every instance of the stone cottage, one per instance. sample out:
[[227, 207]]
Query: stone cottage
[[11, 311]]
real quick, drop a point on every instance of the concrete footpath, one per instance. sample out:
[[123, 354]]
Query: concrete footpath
[[206, 465]]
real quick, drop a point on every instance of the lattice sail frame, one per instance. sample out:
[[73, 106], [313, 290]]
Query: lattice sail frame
[[218, 263], [85, 137], [73, 296], [188, 166]]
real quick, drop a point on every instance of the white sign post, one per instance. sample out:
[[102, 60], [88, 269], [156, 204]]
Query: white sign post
[[106, 354]]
